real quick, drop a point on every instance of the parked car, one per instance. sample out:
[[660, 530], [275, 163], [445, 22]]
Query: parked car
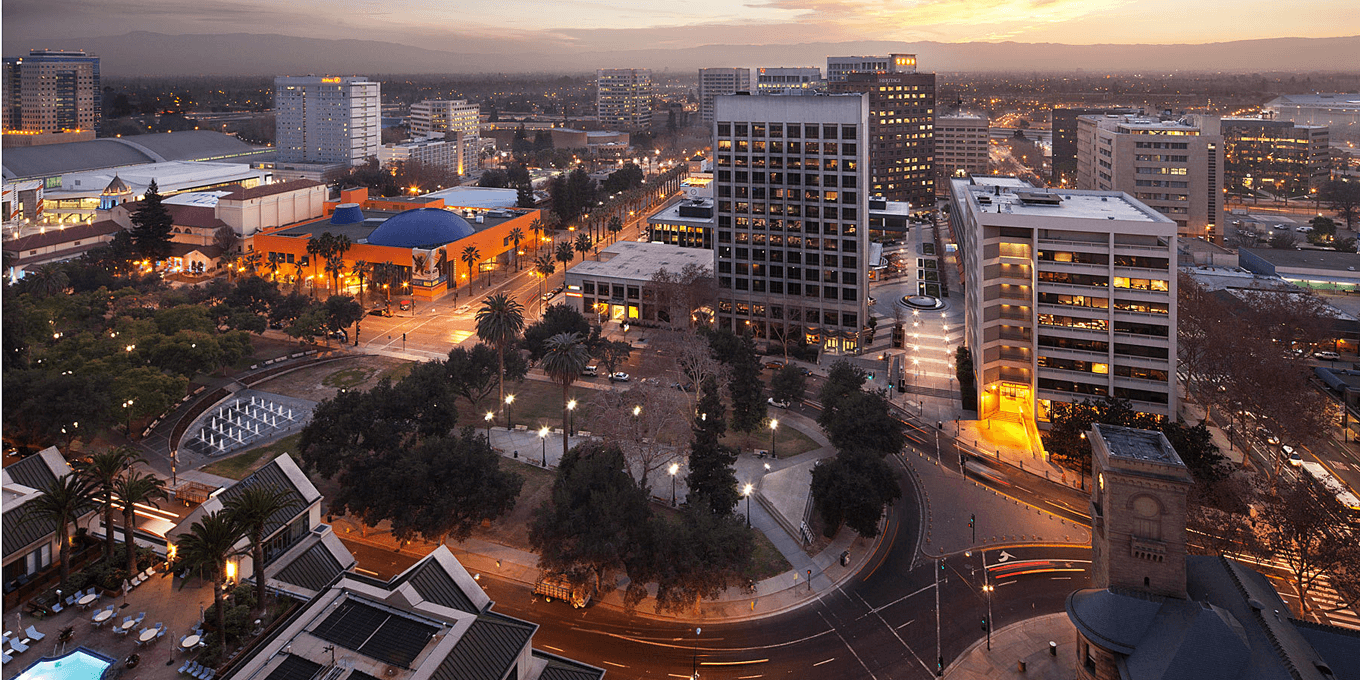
[[618, 377], [380, 311], [1280, 227], [685, 387], [775, 365], [342, 335], [1327, 356], [591, 370], [549, 295], [777, 404], [1303, 230], [405, 304]]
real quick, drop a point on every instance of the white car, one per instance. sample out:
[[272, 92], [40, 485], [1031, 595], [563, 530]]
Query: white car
[[1327, 356], [777, 404], [1303, 230], [618, 377], [1295, 458]]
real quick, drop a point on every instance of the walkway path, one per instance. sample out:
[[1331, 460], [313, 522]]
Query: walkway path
[[1026, 642]]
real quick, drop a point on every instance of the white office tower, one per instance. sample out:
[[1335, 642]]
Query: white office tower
[[623, 98], [455, 121], [792, 245], [327, 119], [719, 81], [1068, 295]]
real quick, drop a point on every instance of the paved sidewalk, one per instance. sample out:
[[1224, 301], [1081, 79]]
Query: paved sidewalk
[[1025, 642]]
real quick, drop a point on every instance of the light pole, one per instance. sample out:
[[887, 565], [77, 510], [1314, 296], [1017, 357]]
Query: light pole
[[694, 667], [746, 491], [543, 438], [509, 399], [637, 411], [674, 468], [987, 587], [571, 413], [774, 425], [127, 413], [489, 417]]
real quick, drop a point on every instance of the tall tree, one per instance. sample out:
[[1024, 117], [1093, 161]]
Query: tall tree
[[744, 385], [853, 488], [499, 323], [707, 553], [472, 373], [1344, 197], [516, 235], [253, 510], [558, 319], [788, 385], [564, 253], [103, 470], [711, 475], [544, 267], [133, 489], [565, 358], [210, 543], [582, 245], [615, 226], [60, 505], [152, 225], [471, 256], [1304, 528]]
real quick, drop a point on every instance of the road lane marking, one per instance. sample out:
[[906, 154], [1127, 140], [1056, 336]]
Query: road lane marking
[[1004, 583], [680, 644], [732, 663], [906, 624], [555, 649], [748, 677], [875, 610], [1061, 578], [822, 662], [852, 649], [611, 663]]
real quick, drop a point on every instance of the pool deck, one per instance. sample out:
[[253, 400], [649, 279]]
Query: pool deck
[[163, 600]]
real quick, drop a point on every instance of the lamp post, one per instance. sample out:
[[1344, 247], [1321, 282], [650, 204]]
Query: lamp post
[[746, 491], [637, 411], [543, 439], [987, 587], [571, 416], [774, 425], [509, 399], [127, 413], [694, 667], [674, 468], [490, 416]]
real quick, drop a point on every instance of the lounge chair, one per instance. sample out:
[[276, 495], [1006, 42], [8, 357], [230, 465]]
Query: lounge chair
[[185, 667], [136, 581], [18, 646], [140, 616], [203, 672], [33, 634], [4, 658], [209, 675], [56, 607]]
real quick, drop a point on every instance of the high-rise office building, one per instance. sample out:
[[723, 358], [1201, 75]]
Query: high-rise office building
[[792, 214], [327, 119], [789, 80], [623, 98], [719, 81], [1279, 156], [51, 96], [455, 121], [1175, 166], [961, 146], [838, 68], [901, 130], [1068, 295], [1064, 128]]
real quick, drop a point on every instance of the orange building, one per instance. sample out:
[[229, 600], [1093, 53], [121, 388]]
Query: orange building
[[413, 244]]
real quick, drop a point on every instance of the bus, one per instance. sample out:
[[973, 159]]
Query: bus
[[1334, 486]]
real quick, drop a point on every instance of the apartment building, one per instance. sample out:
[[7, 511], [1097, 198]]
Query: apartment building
[[1069, 295], [961, 145], [789, 80], [50, 97], [1174, 165], [792, 208], [1278, 156], [901, 130], [623, 98], [720, 81], [435, 152], [327, 119], [455, 121], [1063, 124]]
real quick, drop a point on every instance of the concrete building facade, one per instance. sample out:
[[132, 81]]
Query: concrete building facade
[[1175, 166], [837, 68], [623, 98], [1063, 125], [1069, 295], [792, 208], [1339, 111], [961, 145], [1280, 156], [789, 80], [719, 81], [327, 119], [618, 285], [51, 96], [456, 122], [435, 152], [901, 131]]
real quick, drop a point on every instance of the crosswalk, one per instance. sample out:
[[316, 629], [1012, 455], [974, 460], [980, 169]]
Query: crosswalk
[[1321, 598]]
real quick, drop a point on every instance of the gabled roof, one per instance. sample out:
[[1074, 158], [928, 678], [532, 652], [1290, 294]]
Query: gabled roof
[[274, 475], [57, 236], [312, 569], [436, 585], [193, 216], [23, 481], [486, 650], [559, 668]]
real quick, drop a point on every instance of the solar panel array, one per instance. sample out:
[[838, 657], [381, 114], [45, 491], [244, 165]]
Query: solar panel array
[[376, 633]]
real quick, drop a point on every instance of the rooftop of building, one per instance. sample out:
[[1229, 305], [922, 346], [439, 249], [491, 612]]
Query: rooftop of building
[[1008, 195], [1269, 122], [109, 152], [244, 194], [1142, 122], [671, 214], [878, 206], [638, 261], [476, 197], [57, 235], [169, 176], [1335, 100], [420, 228], [1135, 444], [962, 116], [21, 482], [1309, 259]]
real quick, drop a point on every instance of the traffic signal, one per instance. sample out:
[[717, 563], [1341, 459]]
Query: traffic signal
[[939, 666], [942, 564], [971, 520], [984, 625], [871, 375]]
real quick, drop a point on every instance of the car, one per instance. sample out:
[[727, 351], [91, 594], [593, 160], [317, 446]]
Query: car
[[618, 377], [548, 296], [1280, 227], [1267, 436], [380, 311], [1295, 458], [775, 365], [276, 325], [650, 381], [683, 387], [559, 288], [342, 335], [1327, 356], [405, 305], [777, 404], [591, 370], [805, 370], [1303, 230]]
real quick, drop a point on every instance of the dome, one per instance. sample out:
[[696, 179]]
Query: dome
[[347, 213], [421, 228]]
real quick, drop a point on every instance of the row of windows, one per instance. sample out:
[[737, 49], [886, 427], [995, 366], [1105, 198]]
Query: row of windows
[[1174, 184], [781, 288], [792, 130], [778, 194], [1102, 346], [829, 212], [792, 256], [793, 273], [614, 291], [790, 148], [810, 315], [791, 226], [1161, 158], [1131, 283], [807, 195], [1131, 394], [1102, 368], [1161, 145], [759, 177]]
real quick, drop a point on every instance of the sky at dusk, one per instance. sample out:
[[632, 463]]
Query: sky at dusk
[[471, 25]]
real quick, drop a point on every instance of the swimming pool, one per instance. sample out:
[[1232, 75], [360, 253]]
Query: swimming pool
[[78, 664]]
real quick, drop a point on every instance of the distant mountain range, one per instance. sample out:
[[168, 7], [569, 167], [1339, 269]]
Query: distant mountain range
[[145, 53]]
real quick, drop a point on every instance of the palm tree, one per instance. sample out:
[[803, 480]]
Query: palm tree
[[516, 235], [564, 253], [274, 265], [230, 261], [335, 266], [470, 257], [615, 226], [61, 504], [564, 360], [210, 543], [251, 262], [360, 270], [582, 245], [252, 509], [319, 247], [49, 279], [545, 268], [499, 322], [102, 472], [132, 489], [297, 277], [536, 228]]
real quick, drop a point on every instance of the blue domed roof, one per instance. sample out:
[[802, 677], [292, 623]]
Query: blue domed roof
[[421, 228]]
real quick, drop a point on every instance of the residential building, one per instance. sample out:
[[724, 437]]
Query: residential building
[[430, 621], [1338, 111], [1063, 125], [325, 120], [961, 146], [792, 209], [719, 81], [623, 98], [30, 546], [1174, 165], [838, 68], [425, 151], [1281, 157], [455, 121], [1068, 295], [618, 284], [901, 130], [785, 80], [50, 97], [1154, 612]]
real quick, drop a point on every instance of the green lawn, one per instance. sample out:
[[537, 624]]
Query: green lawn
[[242, 464], [396, 373], [537, 403], [766, 560], [788, 441], [351, 377]]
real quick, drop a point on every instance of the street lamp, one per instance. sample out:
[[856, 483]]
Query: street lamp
[[674, 468], [127, 405], [694, 668], [490, 416], [509, 399], [987, 587], [746, 491], [571, 412], [543, 438], [774, 424]]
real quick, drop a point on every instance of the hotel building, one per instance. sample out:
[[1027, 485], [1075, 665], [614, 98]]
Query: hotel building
[[789, 80], [456, 122], [1064, 127], [50, 97], [901, 130], [1069, 295], [839, 68], [327, 120], [792, 208], [623, 98], [1279, 156]]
